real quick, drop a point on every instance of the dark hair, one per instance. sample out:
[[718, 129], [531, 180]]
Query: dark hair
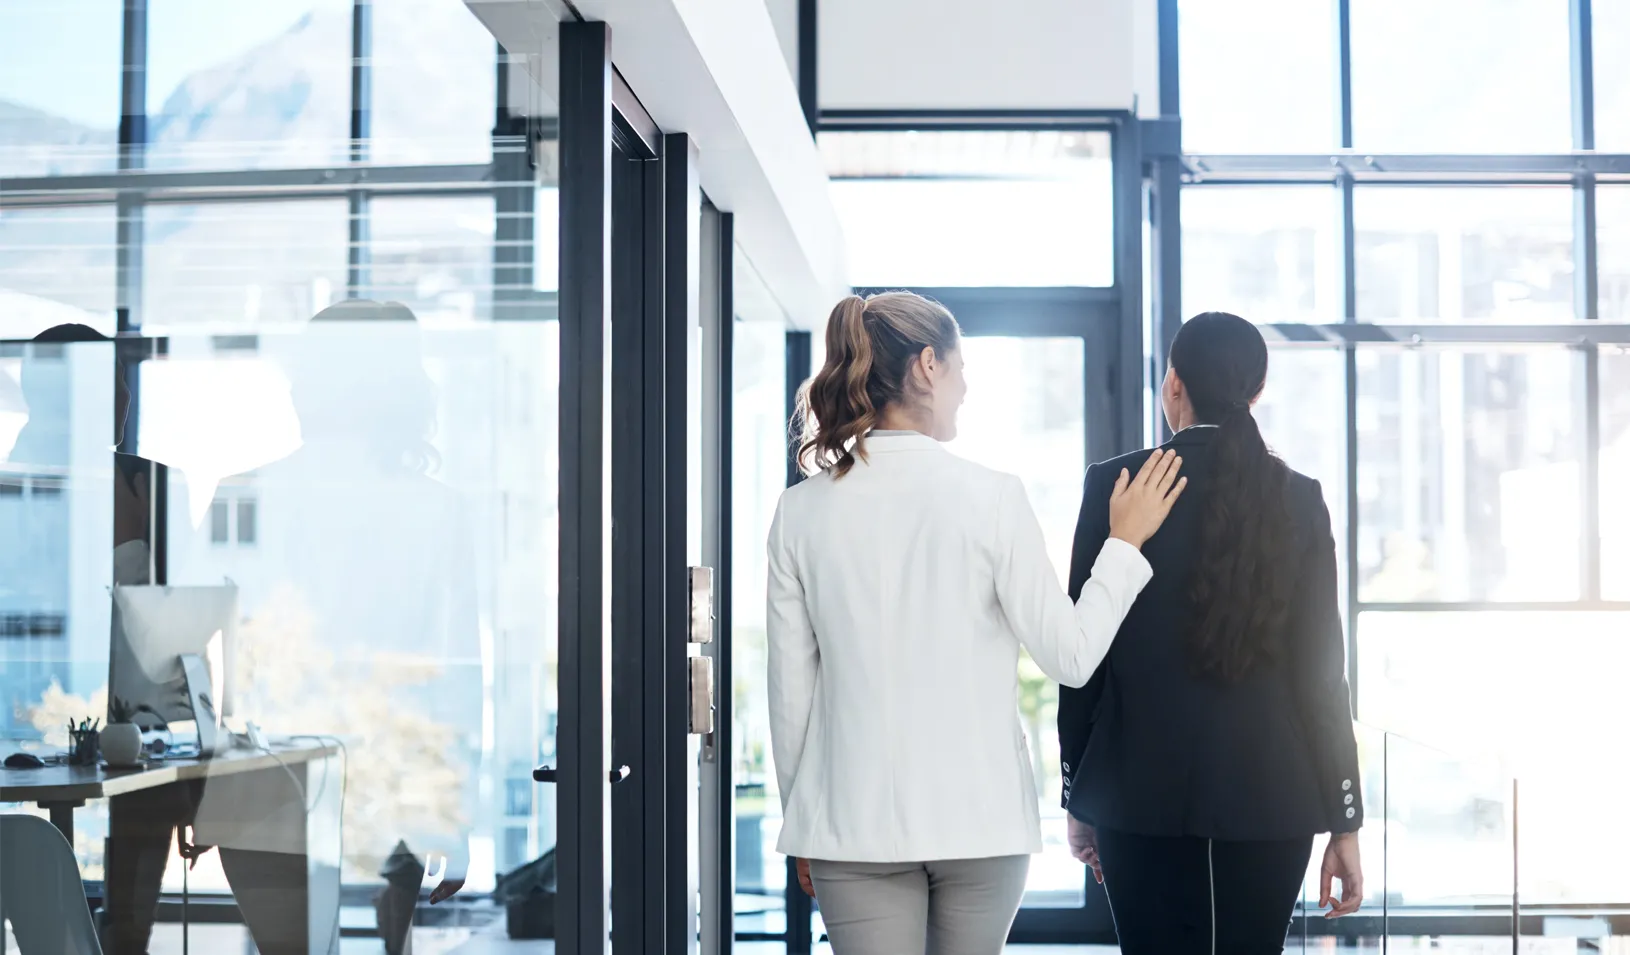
[[70, 333], [1242, 581], [870, 345]]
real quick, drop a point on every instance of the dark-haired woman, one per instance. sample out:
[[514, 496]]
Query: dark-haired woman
[[902, 582], [1215, 743]]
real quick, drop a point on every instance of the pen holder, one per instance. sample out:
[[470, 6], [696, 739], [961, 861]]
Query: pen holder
[[84, 747]]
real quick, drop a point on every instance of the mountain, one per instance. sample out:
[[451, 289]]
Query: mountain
[[36, 143]]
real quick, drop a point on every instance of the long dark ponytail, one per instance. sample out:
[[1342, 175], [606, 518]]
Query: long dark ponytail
[[1242, 583]]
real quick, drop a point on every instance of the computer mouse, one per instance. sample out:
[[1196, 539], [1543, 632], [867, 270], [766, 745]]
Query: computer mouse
[[24, 761]]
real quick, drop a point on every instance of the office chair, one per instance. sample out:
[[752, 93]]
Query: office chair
[[41, 894]]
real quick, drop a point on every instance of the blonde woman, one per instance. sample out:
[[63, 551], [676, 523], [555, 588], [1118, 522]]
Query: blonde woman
[[903, 581]]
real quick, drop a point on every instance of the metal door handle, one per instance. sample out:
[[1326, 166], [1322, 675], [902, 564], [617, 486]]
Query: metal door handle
[[547, 774]]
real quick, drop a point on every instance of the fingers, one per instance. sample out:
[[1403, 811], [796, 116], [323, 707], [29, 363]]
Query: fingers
[[1155, 468], [1168, 473], [1352, 897], [1150, 465], [1121, 484], [1177, 490], [1325, 878]]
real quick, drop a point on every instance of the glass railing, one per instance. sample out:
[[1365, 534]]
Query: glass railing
[[1439, 853]]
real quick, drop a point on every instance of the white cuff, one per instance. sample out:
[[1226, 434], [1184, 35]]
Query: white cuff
[[1123, 564]]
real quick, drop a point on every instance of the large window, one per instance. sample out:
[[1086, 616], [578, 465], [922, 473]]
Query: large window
[[1424, 292]]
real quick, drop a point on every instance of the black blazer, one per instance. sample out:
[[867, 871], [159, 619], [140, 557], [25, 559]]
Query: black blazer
[[1150, 747]]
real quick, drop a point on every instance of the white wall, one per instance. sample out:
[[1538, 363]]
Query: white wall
[[971, 54]]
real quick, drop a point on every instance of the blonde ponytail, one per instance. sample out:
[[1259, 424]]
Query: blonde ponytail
[[870, 344]]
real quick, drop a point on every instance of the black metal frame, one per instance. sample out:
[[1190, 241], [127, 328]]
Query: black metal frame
[[585, 442], [722, 742], [639, 688], [682, 205]]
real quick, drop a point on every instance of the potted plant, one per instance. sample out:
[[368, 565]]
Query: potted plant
[[121, 740]]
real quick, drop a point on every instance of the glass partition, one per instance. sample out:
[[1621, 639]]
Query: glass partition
[[1438, 844], [284, 431]]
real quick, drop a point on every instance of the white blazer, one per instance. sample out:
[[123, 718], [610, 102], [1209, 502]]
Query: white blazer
[[899, 596]]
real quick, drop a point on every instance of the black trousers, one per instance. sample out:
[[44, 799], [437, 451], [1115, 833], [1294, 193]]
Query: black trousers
[[1177, 896]]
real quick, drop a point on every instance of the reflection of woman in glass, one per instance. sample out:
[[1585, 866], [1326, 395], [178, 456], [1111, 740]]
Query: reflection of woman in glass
[[377, 557], [1217, 740]]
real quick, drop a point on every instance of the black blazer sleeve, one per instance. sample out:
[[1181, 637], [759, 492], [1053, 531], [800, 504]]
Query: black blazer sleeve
[[1318, 658], [1076, 705]]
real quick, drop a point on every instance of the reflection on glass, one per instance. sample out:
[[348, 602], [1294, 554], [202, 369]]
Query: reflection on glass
[[1266, 253], [262, 85], [1536, 694], [988, 208], [1456, 75], [56, 267], [1238, 56], [433, 83], [242, 264], [56, 529], [59, 89], [759, 473], [1614, 518], [1468, 475], [396, 568], [433, 255], [1025, 414], [1488, 254]]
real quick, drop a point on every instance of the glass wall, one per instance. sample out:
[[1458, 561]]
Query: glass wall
[[1487, 603], [310, 427], [759, 448]]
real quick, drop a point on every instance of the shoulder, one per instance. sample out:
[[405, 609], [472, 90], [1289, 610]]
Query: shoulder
[[1305, 492], [1101, 476]]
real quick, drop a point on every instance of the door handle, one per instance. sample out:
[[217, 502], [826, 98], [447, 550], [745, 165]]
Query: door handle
[[548, 774]]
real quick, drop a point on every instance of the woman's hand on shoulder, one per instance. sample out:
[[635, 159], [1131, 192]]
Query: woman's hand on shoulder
[[1139, 504]]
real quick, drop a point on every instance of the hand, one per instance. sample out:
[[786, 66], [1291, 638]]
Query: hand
[[804, 881], [1139, 505], [1083, 840], [1341, 862], [445, 890]]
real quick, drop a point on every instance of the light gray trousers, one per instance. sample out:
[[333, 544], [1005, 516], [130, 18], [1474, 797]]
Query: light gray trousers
[[955, 907]]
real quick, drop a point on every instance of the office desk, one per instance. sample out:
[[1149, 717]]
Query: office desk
[[277, 836]]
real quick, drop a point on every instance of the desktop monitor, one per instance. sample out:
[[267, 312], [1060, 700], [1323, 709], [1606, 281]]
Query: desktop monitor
[[155, 629]]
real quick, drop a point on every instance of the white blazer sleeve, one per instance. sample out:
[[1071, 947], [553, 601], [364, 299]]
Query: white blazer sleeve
[[794, 660], [1067, 642]]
